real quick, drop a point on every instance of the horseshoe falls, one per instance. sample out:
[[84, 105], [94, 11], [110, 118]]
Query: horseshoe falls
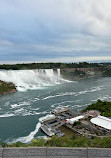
[[39, 92]]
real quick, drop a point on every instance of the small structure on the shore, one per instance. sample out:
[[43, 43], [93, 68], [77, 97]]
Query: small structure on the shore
[[47, 118], [91, 113], [75, 119], [102, 121], [90, 123], [50, 124]]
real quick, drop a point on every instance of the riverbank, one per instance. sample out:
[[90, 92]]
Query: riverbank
[[6, 88], [85, 72], [101, 138]]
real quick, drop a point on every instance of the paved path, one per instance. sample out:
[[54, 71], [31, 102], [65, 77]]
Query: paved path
[[44, 152]]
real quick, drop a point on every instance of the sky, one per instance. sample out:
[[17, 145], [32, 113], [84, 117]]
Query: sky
[[55, 31]]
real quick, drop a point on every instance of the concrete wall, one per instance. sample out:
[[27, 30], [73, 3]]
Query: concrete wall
[[44, 152]]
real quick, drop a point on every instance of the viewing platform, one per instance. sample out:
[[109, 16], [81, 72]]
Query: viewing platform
[[54, 152], [84, 124]]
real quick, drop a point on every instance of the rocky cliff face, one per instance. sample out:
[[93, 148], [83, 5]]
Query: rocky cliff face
[[6, 88], [81, 73]]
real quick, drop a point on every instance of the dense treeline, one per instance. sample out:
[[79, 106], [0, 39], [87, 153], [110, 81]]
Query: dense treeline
[[106, 63], [49, 65], [103, 106], [80, 141]]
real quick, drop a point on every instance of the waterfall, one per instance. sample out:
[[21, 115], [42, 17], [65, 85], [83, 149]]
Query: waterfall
[[31, 79]]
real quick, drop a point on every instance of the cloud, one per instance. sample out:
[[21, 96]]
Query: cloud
[[80, 59], [54, 28]]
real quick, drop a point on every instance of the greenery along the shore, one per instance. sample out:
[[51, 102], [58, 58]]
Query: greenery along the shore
[[52, 65], [6, 88], [71, 141], [103, 106]]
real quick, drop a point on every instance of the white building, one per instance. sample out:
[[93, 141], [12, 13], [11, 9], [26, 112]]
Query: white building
[[75, 119], [46, 118], [102, 122]]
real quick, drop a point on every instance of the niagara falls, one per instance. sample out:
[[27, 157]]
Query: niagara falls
[[55, 78]]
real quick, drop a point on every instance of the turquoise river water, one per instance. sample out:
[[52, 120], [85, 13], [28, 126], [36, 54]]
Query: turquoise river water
[[38, 95]]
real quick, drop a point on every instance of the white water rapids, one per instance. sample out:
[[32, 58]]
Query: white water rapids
[[32, 79], [20, 112], [30, 137]]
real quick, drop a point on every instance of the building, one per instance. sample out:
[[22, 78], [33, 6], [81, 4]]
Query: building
[[75, 119], [102, 122]]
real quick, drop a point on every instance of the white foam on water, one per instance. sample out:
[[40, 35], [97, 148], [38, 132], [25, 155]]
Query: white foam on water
[[73, 93], [94, 100], [93, 89], [61, 103], [38, 113], [35, 99], [82, 92], [48, 97], [106, 97], [32, 79], [7, 104], [19, 111], [7, 115], [20, 104], [79, 100], [14, 105], [60, 95], [30, 137], [33, 109], [76, 106], [25, 113]]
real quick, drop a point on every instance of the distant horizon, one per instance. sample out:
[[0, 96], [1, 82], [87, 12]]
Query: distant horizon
[[30, 62]]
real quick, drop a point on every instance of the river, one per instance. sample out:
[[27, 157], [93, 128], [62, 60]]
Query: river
[[38, 93]]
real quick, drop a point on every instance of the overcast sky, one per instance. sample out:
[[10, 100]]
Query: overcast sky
[[55, 30]]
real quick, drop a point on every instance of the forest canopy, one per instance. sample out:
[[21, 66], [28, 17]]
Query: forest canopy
[[103, 106], [49, 65]]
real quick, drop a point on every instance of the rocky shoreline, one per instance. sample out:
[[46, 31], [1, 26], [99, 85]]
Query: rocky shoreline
[[82, 73], [7, 88]]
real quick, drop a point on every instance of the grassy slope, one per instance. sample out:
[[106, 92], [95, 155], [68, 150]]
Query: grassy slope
[[71, 141]]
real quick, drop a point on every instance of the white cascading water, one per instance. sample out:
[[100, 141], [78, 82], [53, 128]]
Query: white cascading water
[[31, 79], [30, 137]]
